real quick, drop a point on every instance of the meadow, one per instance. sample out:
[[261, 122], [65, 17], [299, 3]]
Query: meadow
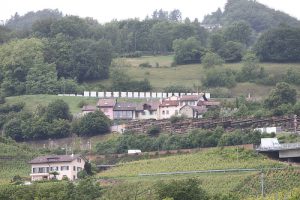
[[162, 75]]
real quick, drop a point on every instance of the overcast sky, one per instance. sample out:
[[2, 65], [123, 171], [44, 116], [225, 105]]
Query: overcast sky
[[106, 10]]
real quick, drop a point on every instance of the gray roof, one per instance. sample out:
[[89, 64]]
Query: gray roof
[[54, 159], [125, 106]]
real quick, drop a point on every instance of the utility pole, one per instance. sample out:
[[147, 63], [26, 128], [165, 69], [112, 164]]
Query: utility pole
[[262, 184]]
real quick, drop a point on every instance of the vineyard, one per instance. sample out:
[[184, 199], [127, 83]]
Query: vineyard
[[13, 160], [215, 158], [242, 184]]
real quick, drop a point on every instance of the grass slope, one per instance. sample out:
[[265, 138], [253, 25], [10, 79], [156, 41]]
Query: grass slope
[[191, 75], [32, 101], [13, 160], [204, 160]]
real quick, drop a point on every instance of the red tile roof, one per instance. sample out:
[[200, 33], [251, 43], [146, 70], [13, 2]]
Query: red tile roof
[[169, 103], [190, 98], [88, 108], [106, 103]]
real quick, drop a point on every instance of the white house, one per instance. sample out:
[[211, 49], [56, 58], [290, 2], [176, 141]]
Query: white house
[[66, 166]]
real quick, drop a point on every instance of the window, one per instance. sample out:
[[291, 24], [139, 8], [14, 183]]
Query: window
[[163, 112], [34, 170], [64, 168], [54, 169], [167, 112], [74, 168], [79, 160], [41, 169]]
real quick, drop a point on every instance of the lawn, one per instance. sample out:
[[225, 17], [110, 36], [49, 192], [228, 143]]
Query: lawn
[[32, 101]]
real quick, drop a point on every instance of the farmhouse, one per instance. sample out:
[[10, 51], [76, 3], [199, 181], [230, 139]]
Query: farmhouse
[[193, 111], [147, 110], [68, 166], [107, 107]]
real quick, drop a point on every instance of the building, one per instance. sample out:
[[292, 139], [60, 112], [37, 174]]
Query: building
[[147, 110], [107, 107], [191, 100], [193, 111], [87, 109], [168, 108], [124, 110], [65, 165]]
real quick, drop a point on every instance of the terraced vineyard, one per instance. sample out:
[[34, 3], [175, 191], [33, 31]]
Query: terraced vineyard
[[13, 160], [215, 158]]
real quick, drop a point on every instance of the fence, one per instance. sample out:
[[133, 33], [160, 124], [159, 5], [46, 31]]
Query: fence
[[137, 95]]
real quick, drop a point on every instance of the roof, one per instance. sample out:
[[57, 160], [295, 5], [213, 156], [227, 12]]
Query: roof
[[106, 103], [125, 106], [148, 105], [168, 103], [190, 98], [209, 103], [55, 159], [89, 108]]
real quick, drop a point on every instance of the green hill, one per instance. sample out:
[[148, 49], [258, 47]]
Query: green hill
[[259, 16]]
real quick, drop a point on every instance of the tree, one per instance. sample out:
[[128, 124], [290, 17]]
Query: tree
[[181, 189], [92, 124], [58, 109], [160, 35], [283, 93], [175, 15], [16, 59], [279, 45], [211, 59], [87, 189], [239, 32], [216, 41], [13, 129], [187, 51], [231, 51], [251, 69], [42, 79], [219, 78]]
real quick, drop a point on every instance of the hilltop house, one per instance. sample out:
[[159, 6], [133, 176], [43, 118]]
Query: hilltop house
[[107, 107], [66, 166]]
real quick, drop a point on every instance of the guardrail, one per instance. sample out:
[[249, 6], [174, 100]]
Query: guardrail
[[285, 146], [211, 171]]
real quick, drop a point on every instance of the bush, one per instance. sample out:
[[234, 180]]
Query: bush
[[153, 130], [145, 65], [174, 119], [220, 78], [92, 124]]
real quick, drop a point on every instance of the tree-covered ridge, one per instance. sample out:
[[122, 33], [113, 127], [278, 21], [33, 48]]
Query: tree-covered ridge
[[259, 16], [26, 21]]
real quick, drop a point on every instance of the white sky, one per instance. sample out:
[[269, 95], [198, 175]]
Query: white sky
[[106, 10]]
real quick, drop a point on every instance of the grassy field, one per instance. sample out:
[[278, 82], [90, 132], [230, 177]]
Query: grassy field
[[191, 75], [32, 101]]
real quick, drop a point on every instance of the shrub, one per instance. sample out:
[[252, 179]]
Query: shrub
[[145, 65], [153, 130]]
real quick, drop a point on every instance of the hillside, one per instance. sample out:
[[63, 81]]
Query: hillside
[[204, 160], [32, 101], [13, 160], [259, 16], [243, 184], [191, 75]]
